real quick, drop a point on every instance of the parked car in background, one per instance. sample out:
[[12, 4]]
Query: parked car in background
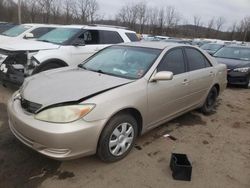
[[237, 59], [64, 46], [5, 26], [211, 48], [25, 31], [176, 40], [121, 92]]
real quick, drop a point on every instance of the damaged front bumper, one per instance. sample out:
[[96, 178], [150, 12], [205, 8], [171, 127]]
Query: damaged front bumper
[[12, 75], [15, 67]]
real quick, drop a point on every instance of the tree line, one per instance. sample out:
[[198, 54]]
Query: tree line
[[136, 16]]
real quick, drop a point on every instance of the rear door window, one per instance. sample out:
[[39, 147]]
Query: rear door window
[[196, 59], [173, 62], [110, 37]]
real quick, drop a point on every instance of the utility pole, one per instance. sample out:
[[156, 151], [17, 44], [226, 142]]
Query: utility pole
[[19, 12]]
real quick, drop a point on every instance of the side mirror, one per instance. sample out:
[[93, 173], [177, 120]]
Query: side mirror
[[78, 42], [163, 75], [29, 36]]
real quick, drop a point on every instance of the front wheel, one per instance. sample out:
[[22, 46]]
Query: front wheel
[[117, 138], [247, 83], [209, 105]]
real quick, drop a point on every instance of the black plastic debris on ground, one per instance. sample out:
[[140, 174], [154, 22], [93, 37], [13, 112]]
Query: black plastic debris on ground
[[181, 167]]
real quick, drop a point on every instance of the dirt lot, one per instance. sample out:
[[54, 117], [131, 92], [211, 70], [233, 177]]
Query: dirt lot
[[218, 146]]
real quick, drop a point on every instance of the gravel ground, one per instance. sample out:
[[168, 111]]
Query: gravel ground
[[217, 145]]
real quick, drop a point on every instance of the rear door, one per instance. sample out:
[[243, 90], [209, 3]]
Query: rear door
[[201, 74], [166, 98]]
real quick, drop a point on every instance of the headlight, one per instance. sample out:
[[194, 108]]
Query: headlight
[[33, 63], [64, 114], [243, 69]]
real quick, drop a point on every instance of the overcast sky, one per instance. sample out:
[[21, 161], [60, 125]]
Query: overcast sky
[[231, 10]]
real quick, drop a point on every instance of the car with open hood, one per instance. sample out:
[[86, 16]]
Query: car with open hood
[[64, 46], [119, 93], [237, 59]]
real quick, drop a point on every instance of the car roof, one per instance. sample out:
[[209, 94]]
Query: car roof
[[101, 27], [238, 46], [153, 44], [41, 25]]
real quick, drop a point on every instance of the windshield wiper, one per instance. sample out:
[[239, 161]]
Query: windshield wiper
[[101, 72], [44, 41], [82, 67]]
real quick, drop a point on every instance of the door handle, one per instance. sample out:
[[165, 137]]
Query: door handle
[[185, 82], [211, 73]]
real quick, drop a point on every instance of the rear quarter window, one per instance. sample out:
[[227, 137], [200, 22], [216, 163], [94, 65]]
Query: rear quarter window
[[132, 37]]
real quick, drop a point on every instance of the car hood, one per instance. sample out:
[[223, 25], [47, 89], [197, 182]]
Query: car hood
[[67, 85], [233, 63], [2, 38], [26, 45]]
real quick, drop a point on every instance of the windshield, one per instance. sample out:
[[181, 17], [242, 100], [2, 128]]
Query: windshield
[[123, 61], [17, 30], [59, 35], [213, 47], [234, 53]]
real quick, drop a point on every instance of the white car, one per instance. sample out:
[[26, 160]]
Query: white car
[[64, 46], [26, 31]]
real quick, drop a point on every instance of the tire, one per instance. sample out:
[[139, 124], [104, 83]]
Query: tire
[[119, 134], [209, 105], [247, 84], [46, 66]]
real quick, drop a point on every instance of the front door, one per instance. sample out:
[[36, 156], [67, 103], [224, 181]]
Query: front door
[[166, 98]]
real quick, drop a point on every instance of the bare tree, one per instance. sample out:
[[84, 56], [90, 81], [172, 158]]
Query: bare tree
[[68, 8], [197, 25], [210, 26], [172, 18], [128, 15], [92, 10], [33, 10], [232, 31], [56, 11], [45, 6], [219, 23], [142, 16], [152, 14], [245, 28], [83, 6], [161, 20]]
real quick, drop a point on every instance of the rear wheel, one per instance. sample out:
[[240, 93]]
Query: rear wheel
[[117, 138], [209, 105]]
